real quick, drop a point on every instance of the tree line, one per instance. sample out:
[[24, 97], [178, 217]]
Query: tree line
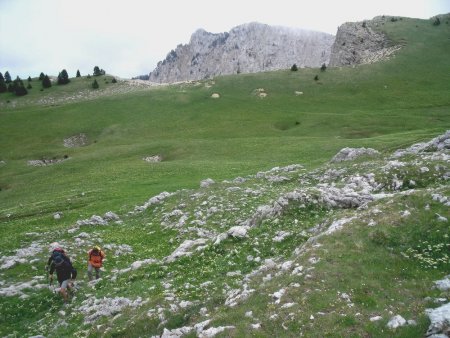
[[18, 87]]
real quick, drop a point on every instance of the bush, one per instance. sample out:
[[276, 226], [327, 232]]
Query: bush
[[436, 21], [21, 91], [316, 78], [113, 80], [323, 68], [294, 68], [95, 84]]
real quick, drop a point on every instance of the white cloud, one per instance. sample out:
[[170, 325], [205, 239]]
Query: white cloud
[[128, 38]]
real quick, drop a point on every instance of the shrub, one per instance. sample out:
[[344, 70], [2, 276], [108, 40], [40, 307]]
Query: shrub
[[323, 67], [294, 68], [21, 91], [316, 78], [114, 80], [436, 21], [95, 84]]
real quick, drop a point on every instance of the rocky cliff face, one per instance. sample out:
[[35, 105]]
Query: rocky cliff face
[[360, 43], [247, 48]]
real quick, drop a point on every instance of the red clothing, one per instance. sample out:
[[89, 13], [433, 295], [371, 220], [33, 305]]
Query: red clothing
[[96, 258]]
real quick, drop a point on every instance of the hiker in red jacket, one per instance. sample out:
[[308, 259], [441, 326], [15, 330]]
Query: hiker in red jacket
[[95, 261]]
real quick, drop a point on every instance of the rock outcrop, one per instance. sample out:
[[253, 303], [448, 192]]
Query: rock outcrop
[[248, 48], [361, 43]]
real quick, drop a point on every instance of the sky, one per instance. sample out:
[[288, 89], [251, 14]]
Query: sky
[[127, 38]]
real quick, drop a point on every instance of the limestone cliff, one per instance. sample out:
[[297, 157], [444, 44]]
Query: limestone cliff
[[361, 43], [248, 48]]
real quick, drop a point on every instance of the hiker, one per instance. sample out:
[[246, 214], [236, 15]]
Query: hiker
[[65, 273], [55, 253], [95, 261]]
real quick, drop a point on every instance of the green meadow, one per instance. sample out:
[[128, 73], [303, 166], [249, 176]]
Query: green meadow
[[386, 105]]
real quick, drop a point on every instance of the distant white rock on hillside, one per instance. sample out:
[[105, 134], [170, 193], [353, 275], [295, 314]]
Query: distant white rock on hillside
[[248, 48]]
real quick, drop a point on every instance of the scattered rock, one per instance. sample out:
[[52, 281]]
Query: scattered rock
[[349, 154], [437, 144], [215, 95], [79, 140], [153, 159], [206, 183], [440, 321], [396, 322], [45, 162], [93, 308], [238, 231], [443, 284]]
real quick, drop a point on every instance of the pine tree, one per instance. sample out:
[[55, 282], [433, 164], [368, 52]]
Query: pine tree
[[41, 76], [324, 67], [294, 67], [97, 71], [46, 83], [63, 77], [7, 77], [95, 84], [18, 87], [78, 73], [30, 79], [3, 87]]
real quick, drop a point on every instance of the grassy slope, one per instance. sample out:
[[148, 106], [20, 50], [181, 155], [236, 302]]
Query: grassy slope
[[384, 106]]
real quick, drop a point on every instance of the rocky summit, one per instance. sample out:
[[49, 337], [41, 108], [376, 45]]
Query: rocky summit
[[361, 43], [247, 48]]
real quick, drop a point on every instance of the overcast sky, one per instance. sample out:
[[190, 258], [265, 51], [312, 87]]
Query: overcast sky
[[127, 38]]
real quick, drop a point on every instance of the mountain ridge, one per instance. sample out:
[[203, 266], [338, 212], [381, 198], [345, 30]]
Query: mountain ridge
[[247, 48]]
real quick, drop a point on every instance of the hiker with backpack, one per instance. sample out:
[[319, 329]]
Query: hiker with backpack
[[65, 272], [95, 261], [57, 251]]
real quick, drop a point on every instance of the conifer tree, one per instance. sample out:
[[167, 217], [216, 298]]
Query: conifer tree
[[7, 77], [97, 71], [41, 76], [78, 73], [46, 83], [18, 87], [3, 87], [63, 77], [95, 84]]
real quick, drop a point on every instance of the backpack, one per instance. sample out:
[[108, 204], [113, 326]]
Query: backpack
[[96, 258], [58, 256]]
